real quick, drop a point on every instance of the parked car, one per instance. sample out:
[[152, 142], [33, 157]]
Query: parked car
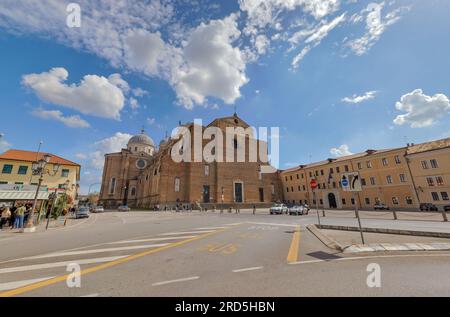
[[380, 206], [297, 211], [124, 208], [82, 212], [279, 209], [428, 207], [447, 208], [97, 209]]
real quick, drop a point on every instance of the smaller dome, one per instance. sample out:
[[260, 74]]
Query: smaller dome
[[142, 138]]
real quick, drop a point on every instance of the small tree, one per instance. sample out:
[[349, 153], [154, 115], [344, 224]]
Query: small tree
[[60, 205]]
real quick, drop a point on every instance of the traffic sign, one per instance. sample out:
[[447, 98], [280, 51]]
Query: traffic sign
[[351, 182], [313, 184]]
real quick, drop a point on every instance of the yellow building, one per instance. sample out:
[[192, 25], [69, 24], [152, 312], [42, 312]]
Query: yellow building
[[16, 171], [430, 168], [394, 177]]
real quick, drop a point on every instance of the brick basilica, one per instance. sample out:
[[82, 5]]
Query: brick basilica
[[145, 176]]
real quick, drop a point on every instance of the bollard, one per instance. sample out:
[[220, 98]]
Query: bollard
[[395, 214], [323, 213], [444, 215]]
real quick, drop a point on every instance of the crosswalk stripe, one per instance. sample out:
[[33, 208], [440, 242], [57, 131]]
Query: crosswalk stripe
[[59, 264], [192, 232], [152, 239], [54, 255], [176, 281], [17, 284]]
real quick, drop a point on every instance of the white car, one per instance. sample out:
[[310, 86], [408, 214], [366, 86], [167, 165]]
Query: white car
[[124, 208], [279, 209], [97, 209], [298, 211]]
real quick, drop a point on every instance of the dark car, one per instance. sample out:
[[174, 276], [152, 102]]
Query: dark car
[[428, 207], [447, 208]]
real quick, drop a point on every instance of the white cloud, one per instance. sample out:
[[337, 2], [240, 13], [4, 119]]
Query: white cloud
[[70, 121], [355, 99], [134, 104], [314, 38], [151, 121], [343, 150], [112, 144], [94, 95], [213, 67], [421, 110], [81, 156], [376, 25], [4, 145]]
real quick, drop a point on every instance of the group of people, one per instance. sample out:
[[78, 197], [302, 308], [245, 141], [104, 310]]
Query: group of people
[[14, 217]]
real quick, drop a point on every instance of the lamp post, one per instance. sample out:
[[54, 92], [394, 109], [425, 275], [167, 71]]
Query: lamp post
[[39, 169]]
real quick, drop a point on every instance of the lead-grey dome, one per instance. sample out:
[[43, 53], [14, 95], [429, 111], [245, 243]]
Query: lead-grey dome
[[142, 139]]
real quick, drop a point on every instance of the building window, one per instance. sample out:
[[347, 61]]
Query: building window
[[372, 181], [298, 177], [303, 176], [409, 200], [291, 177], [397, 160], [359, 166], [22, 170], [369, 164], [435, 196], [299, 189], [430, 181], [317, 173], [395, 200], [389, 179], [292, 189], [286, 178], [363, 182], [444, 196], [133, 192], [304, 188], [310, 174], [402, 178], [206, 170], [385, 162], [177, 184], [338, 169], [287, 189], [346, 168], [434, 164], [321, 172], [321, 202], [65, 173], [7, 169], [319, 185], [343, 201], [353, 201], [367, 201], [112, 186], [439, 181], [424, 165]]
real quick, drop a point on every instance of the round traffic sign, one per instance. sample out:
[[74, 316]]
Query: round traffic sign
[[344, 182], [313, 184]]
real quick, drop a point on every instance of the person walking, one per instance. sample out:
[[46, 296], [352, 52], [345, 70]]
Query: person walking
[[254, 210], [6, 214], [13, 216], [20, 214]]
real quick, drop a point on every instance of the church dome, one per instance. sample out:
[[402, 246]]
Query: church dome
[[142, 139]]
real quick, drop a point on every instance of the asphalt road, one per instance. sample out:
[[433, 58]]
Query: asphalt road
[[173, 254]]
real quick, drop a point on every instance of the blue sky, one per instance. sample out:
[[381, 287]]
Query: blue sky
[[334, 76]]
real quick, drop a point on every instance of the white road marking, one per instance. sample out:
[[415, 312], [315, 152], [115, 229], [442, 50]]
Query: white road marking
[[192, 232], [274, 224], [234, 224], [372, 257], [249, 269], [212, 228], [91, 295], [54, 255], [176, 281], [59, 264], [17, 284], [153, 239]]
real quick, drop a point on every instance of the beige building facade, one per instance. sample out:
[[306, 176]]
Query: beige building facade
[[394, 177]]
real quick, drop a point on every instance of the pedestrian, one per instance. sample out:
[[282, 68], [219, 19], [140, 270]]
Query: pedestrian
[[13, 216], [254, 210], [5, 216], [20, 214]]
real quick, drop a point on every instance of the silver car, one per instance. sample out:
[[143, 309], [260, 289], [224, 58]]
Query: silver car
[[82, 212], [298, 211], [279, 209], [124, 208]]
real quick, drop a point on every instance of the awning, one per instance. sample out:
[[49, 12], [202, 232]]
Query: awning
[[22, 195]]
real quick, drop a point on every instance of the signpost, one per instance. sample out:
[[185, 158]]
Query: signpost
[[351, 182], [314, 186]]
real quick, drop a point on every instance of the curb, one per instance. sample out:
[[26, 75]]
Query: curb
[[328, 241], [388, 231]]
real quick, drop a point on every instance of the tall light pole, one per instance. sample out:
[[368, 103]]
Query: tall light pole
[[39, 169]]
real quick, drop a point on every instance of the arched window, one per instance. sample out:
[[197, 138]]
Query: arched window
[[133, 192]]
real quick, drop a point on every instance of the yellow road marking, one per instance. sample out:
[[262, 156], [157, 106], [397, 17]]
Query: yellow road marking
[[62, 278], [293, 250]]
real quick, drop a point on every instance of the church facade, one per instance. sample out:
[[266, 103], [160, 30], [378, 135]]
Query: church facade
[[146, 176]]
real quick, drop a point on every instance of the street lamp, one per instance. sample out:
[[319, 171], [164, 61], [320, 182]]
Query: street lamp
[[39, 169]]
